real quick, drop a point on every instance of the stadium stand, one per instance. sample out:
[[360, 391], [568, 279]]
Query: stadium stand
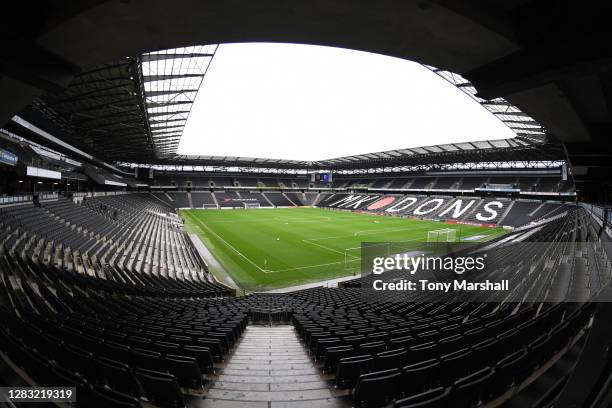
[[255, 196], [503, 211], [421, 183], [201, 199], [228, 199], [381, 182], [279, 199], [164, 198], [118, 343], [179, 200], [520, 213], [221, 182], [112, 287], [296, 198], [470, 183], [286, 183], [453, 183], [199, 181], [247, 182], [445, 183]]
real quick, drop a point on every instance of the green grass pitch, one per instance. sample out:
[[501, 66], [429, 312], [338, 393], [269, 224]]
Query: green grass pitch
[[263, 249]]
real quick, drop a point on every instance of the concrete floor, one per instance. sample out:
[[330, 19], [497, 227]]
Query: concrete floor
[[270, 368]]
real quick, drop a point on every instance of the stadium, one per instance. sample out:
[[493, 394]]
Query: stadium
[[422, 270]]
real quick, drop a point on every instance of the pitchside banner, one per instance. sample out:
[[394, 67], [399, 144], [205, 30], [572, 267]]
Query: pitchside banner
[[474, 272]]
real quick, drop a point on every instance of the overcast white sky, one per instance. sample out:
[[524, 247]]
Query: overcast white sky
[[303, 102]]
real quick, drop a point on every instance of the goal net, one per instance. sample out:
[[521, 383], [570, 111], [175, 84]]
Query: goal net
[[442, 235], [209, 206], [251, 205]]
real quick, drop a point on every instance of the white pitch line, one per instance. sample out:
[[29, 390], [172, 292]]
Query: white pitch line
[[330, 249], [369, 232], [373, 233], [311, 219], [232, 247], [306, 267]]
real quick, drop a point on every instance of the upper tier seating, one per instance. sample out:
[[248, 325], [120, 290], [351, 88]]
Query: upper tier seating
[[470, 183], [247, 182], [228, 199], [254, 196], [297, 198], [453, 181], [381, 182], [400, 182], [548, 184], [179, 200], [278, 199], [445, 183], [200, 198], [220, 182]]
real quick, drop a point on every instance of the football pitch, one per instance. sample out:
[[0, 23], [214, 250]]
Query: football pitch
[[263, 249]]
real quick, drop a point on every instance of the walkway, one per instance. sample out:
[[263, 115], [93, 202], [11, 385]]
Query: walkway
[[271, 369]]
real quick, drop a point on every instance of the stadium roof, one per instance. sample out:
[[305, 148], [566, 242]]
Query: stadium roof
[[519, 149], [135, 110], [518, 121], [131, 109], [171, 80]]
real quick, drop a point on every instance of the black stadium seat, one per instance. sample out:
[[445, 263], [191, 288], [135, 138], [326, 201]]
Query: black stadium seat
[[213, 345], [165, 347], [486, 350], [374, 389], [372, 348], [185, 369], [509, 370], [116, 375], [161, 388], [422, 352], [79, 360], [390, 359], [401, 342], [433, 398], [333, 356], [472, 389], [456, 364], [420, 376], [350, 368], [147, 359], [202, 356]]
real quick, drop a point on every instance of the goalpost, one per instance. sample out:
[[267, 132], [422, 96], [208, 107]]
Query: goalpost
[[251, 205], [353, 256], [442, 235]]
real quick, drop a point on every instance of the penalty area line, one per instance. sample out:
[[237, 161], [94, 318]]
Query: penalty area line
[[307, 267]]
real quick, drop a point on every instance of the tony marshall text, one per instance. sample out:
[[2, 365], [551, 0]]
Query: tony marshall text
[[426, 285]]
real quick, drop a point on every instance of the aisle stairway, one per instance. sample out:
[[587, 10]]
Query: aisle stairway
[[270, 369]]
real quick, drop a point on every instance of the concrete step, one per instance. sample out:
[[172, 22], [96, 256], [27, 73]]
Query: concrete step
[[270, 368]]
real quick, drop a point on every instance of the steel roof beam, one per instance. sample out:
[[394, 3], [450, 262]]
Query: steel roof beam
[[162, 57], [151, 78]]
